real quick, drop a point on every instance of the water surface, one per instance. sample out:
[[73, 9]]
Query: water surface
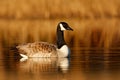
[[91, 64]]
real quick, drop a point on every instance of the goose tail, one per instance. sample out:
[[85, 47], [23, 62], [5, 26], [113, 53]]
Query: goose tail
[[15, 50], [14, 47]]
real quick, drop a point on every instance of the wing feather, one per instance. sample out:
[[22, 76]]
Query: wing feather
[[42, 48]]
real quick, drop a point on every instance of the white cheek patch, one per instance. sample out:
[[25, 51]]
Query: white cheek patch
[[62, 28]]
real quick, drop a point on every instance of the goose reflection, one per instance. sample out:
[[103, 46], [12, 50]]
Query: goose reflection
[[44, 64]]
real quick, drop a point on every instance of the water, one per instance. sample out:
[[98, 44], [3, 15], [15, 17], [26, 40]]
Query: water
[[90, 64]]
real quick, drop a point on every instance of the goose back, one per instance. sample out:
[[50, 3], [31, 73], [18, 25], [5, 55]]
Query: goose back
[[38, 49]]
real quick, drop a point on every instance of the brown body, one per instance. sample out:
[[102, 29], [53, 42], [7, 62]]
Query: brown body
[[38, 49], [43, 49]]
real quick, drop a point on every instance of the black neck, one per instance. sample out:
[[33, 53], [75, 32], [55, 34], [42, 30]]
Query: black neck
[[60, 38]]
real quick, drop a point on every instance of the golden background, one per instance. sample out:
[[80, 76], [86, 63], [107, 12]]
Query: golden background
[[95, 22]]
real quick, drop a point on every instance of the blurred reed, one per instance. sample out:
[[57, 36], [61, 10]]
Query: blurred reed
[[46, 9], [95, 22], [87, 33]]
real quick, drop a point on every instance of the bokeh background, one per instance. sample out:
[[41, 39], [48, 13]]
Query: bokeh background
[[95, 22], [94, 43]]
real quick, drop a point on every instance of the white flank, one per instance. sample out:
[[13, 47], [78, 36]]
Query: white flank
[[24, 56], [63, 51], [62, 28]]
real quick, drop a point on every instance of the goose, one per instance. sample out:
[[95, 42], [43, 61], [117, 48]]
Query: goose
[[45, 49]]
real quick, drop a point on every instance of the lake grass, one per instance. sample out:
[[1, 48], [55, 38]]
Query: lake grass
[[102, 33], [35, 9], [95, 22]]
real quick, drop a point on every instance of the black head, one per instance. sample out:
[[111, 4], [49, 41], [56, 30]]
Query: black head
[[64, 26]]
